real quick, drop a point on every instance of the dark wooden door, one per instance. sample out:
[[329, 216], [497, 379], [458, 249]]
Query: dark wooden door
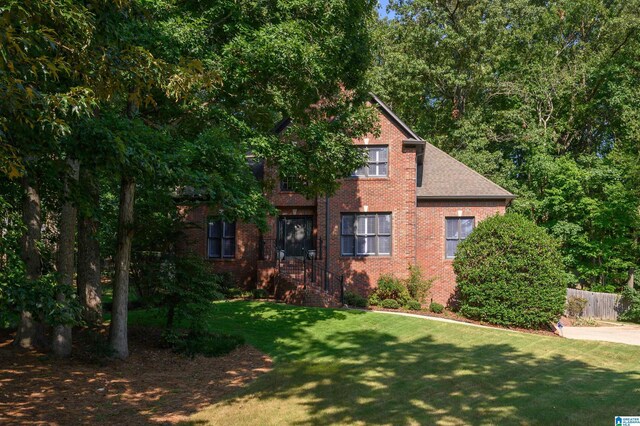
[[295, 235]]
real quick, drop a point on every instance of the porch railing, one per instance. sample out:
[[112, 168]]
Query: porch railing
[[268, 249]]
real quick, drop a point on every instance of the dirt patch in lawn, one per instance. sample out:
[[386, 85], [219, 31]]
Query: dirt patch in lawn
[[153, 385]]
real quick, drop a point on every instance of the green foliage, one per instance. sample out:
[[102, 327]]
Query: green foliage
[[390, 304], [540, 97], [575, 306], [412, 289], [607, 288], [355, 300], [585, 322], [260, 293], [631, 296], [510, 272], [41, 43], [436, 307], [390, 287], [374, 299], [39, 298], [201, 342], [18, 294], [413, 305], [417, 285], [187, 290]]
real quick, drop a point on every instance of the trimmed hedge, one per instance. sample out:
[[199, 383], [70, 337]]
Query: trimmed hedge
[[436, 308], [413, 305], [510, 272], [390, 304]]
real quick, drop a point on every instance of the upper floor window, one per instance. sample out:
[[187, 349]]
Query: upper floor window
[[367, 234], [457, 229], [286, 184], [377, 163], [221, 239]]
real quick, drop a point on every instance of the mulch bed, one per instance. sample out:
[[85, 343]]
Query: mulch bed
[[153, 385], [453, 316]]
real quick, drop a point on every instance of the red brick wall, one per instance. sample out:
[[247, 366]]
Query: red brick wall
[[431, 239], [283, 198], [395, 194], [418, 235], [194, 240]]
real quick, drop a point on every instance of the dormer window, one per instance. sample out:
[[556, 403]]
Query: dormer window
[[377, 163]]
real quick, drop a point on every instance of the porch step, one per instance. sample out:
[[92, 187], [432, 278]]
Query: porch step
[[293, 291]]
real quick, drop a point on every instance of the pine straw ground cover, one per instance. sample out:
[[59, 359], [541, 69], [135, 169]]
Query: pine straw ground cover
[[153, 386]]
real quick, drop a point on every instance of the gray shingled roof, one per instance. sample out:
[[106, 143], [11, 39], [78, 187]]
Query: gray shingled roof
[[445, 177]]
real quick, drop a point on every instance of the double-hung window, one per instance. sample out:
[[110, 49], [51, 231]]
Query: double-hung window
[[377, 162], [286, 185], [457, 229], [221, 239], [367, 234]]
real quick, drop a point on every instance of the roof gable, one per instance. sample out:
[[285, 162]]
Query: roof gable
[[395, 119], [440, 176], [445, 177]]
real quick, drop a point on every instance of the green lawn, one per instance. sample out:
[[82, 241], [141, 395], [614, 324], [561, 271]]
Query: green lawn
[[334, 366]]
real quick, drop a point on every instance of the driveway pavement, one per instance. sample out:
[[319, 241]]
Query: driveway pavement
[[619, 333]]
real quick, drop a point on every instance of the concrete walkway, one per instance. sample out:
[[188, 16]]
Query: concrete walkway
[[426, 317], [619, 333]]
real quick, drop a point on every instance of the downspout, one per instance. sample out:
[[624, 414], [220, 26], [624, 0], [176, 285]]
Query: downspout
[[419, 159], [327, 233]]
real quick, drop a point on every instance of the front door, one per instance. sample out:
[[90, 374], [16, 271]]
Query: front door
[[295, 235]]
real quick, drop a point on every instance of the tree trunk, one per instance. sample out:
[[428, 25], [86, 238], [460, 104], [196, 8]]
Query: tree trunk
[[29, 332], [632, 274], [118, 330], [171, 313], [88, 280], [62, 337]]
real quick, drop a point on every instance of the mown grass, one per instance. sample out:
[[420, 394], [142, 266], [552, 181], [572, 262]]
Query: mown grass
[[352, 367]]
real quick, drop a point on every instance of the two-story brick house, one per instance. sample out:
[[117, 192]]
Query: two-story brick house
[[411, 204]]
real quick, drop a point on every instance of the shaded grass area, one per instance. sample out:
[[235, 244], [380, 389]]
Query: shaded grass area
[[347, 367]]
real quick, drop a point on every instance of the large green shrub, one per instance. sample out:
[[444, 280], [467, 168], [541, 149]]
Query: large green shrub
[[510, 272]]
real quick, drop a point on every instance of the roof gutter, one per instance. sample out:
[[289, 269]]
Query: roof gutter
[[413, 142], [466, 197]]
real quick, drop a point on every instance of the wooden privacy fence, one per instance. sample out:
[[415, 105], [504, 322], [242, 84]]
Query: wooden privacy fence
[[599, 305]]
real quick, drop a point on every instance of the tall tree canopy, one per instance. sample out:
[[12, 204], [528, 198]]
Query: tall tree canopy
[[543, 97], [149, 96]]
